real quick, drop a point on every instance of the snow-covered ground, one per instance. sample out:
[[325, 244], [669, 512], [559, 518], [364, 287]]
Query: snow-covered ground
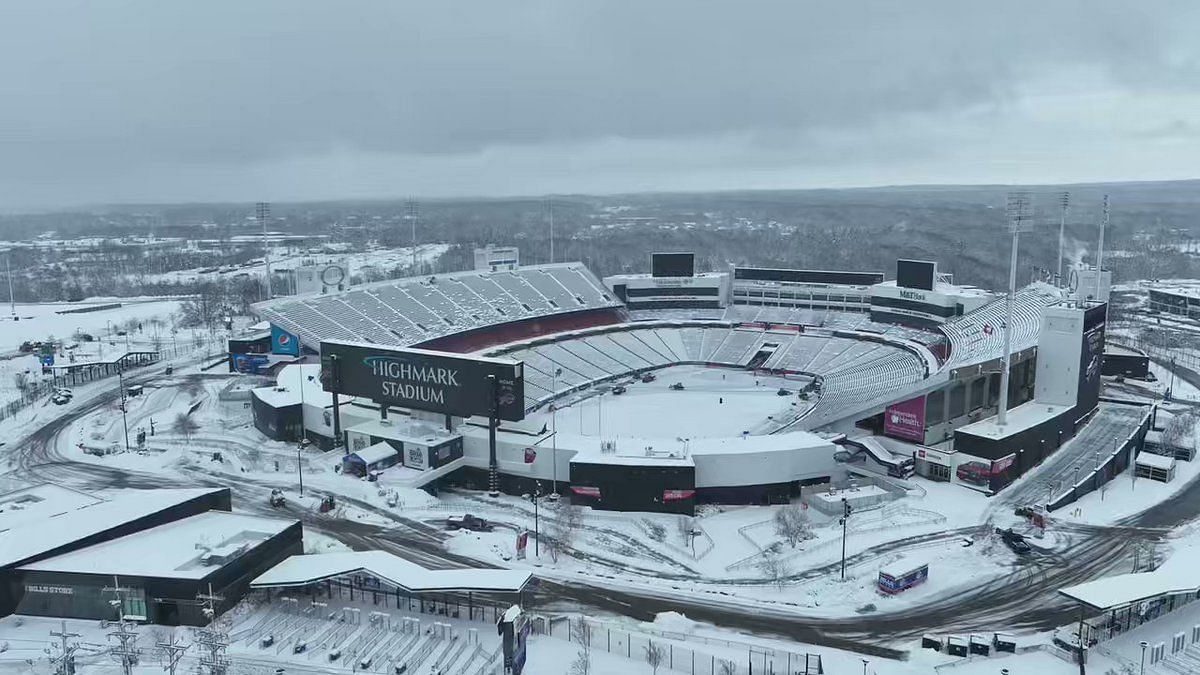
[[45, 320], [715, 402], [381, 260]]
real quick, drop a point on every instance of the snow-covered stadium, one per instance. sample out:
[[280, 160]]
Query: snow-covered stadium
[[656, 392]]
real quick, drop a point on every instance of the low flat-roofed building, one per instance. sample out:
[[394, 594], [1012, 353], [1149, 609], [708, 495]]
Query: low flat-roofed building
[[160, 571]]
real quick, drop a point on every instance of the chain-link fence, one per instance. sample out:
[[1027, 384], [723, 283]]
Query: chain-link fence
[[682, 652]]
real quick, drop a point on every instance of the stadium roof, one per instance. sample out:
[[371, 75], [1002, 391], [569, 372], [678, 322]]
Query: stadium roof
[[301, 570], [405, 312]]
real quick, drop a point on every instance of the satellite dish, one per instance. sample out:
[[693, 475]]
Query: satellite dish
[[332, 275]]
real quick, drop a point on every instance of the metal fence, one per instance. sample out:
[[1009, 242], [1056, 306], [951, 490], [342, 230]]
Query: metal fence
[[28, 396], [816, 496], [729, 658]]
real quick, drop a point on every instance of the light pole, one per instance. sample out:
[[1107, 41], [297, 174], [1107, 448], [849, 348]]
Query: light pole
[[554, 427], [846, 509], [865, 662], [537, 492], [124, 419], [1143, 644], [300, 469]]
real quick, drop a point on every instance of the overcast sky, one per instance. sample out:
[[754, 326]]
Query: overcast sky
[[284, 100]]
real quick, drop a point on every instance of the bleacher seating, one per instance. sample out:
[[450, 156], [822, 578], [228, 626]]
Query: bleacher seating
[[854, 372], [978, 336], [405, 312], [735, 349]]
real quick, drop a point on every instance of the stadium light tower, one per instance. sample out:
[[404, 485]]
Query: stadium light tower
[[1019, 218], [1064, 200], [262, 213], [413, 213], [1100, 250]]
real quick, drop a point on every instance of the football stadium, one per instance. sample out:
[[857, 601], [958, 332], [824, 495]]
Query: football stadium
[[661, 391]]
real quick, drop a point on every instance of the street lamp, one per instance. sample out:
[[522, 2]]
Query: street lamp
[[124, 419], [1143, 644], [554, 429], [846, 509], [865, 662], [537, 492]]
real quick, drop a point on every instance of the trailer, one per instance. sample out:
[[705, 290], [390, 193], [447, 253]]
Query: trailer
[[902, 575]]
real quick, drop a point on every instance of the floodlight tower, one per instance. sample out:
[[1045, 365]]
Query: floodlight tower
[[550, 207], [262, 213], [1019, 218], [1064, 200], [1100, 250], [412, 211]]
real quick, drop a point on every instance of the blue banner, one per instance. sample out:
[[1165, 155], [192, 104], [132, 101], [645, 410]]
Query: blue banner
[[254, 364], [283, 342]]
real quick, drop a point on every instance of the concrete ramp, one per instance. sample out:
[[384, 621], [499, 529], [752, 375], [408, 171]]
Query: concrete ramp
[[426, 477]]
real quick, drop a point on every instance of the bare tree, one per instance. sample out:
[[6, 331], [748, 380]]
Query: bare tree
[[567, 522], [792, 523], [184, 424], [581, 633], [656, 654], [22, 382], [684, 527], [774, 567]]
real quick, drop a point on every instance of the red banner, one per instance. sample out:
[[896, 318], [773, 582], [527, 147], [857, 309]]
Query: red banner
[[906, 420], [585, 491], [677, 495]]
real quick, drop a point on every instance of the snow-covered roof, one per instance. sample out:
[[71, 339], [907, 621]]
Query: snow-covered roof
[[400, 428], [902, 566], [1125, 589], [39, 502], [1020, 418], [300, 570], [1156, 461], [191, 548], [374, 453], [287, 387], [31, 539]]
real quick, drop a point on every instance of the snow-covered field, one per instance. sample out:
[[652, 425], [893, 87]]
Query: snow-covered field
[[715, 402]]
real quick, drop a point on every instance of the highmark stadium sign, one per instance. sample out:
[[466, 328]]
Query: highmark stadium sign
[[424, 380]]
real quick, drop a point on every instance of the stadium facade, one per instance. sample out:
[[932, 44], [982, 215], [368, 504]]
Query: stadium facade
[[915, 358]]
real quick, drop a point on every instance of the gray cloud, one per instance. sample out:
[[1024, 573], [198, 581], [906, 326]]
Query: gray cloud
[[285, 99]]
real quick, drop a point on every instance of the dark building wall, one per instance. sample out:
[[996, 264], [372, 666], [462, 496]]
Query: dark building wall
[[481, 338], [278, 424], [168, 601], [1127, 365], [626, 487], [219, 500]]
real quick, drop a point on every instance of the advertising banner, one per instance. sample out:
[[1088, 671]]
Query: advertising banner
[[1091, 358], [906, 420], [422, 379], [252, 364], [283, 342], [416, 457]]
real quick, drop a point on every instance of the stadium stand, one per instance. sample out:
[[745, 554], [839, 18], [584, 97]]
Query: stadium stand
[[853, 372], [408, 312], [978, 336]]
